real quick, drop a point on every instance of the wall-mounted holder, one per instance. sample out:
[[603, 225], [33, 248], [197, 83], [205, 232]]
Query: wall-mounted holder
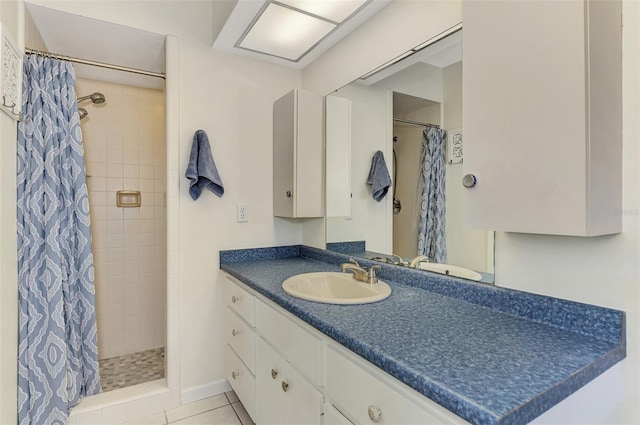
[[128, 198], [454, 146], [10, 76]]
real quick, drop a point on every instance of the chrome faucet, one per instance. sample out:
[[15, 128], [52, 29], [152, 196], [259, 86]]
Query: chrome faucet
[[415, 263], [360, 273]]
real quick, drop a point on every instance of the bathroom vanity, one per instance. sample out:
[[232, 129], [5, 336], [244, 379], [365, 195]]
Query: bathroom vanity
[[438, 350]]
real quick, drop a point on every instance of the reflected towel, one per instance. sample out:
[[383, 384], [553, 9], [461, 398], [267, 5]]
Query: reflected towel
[[202, 170], [379, 177]]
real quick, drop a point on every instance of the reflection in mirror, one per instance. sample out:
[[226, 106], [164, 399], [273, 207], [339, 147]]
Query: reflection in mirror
[[412, 113]]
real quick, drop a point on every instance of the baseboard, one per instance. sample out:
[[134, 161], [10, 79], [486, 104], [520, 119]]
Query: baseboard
[[189, 395]]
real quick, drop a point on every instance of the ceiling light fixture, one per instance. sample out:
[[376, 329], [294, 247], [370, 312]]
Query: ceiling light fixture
[[289, 29]]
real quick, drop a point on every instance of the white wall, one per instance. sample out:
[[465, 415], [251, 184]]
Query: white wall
[[231, 98], [465, 247]]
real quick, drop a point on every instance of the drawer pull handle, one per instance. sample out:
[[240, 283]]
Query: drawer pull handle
[[274, 373], [235, 299], [234, 375], [285, 386], [374, 413], [234, 332]]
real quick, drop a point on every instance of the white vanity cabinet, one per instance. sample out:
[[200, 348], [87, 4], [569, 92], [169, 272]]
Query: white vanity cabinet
[[240, 337], [288, 369], [286, 372], [298, 151], [542, 114]]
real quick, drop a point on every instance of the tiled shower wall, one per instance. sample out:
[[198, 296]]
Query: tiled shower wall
[[124, 141]]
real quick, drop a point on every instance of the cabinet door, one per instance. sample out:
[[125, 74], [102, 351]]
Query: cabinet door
[[298, 153], [284, 396], [284, 133], [241, 337], [240, 301], [338, 168], [533, 73], [333, 417], [241, 380], [309, 156]]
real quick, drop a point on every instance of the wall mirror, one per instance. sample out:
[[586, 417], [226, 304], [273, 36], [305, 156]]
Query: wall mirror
[[398, 110]]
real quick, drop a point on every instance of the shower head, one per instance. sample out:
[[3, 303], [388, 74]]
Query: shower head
[[96, 98], [83, 112]]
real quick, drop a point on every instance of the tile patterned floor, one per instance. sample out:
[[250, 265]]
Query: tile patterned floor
[[223, 409], [131, 369]]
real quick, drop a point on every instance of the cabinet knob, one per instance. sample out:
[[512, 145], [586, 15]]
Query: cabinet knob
[[285, 386], [234, 375], [235, 299], [235, 332], [469, 180], [288, 194], [374, 413], [274, 373]]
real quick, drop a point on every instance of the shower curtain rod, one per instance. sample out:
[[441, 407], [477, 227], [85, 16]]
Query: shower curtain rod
[[424, 124], [94, 63]]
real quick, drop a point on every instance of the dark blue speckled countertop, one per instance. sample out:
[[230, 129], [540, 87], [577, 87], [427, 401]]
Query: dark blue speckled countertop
[[490, 355]]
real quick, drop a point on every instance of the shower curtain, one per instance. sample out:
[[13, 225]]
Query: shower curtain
[[57, 347], [432, 240]]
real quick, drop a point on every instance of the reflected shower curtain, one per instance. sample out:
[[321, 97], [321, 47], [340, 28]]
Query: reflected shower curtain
[[57, 348], [432, 240]]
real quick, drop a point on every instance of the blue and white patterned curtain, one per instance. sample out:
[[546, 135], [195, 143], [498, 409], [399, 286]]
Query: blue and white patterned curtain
[[57, 349], [432, 240]]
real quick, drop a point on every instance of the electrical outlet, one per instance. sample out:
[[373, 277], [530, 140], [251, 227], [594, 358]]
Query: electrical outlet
[[243, 213]]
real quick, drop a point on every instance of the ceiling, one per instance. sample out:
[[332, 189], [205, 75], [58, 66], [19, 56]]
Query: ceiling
[[101, 41], [95, 40]]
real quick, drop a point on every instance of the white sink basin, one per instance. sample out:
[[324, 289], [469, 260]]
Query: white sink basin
[[335, 288], [450, 270]]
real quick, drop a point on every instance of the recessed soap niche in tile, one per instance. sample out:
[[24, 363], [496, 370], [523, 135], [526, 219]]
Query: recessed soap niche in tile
[[128, 198]]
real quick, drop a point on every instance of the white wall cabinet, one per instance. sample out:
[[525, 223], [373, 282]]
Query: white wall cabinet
[[543, 116], [298, 152]]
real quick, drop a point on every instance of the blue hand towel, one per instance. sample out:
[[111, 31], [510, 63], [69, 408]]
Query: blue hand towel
[[379, 177], [202, 170]]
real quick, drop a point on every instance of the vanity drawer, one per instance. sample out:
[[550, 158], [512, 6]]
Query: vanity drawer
[[241, 379], [299, 345], [241, 337], [240, 301], [361, 390], [285, 396]]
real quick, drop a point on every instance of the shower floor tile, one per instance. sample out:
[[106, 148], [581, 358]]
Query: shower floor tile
[[131, 369]]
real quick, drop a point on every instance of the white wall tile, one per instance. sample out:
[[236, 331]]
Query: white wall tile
[[131, 155], [114, 170], [97, 183], [123, 151]]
